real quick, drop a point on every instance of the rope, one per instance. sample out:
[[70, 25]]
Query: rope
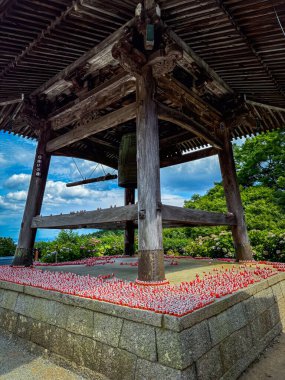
[[78, 168]]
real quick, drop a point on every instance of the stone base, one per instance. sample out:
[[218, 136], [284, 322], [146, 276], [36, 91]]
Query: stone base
[[23, 257], [216, 342], [151, 265]]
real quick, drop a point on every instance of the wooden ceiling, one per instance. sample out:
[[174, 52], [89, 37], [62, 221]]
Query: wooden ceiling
[[233, 64]]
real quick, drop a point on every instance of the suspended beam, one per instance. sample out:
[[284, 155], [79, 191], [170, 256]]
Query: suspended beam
[[100, 124], [106, 177], [169, 114], [196, 155]]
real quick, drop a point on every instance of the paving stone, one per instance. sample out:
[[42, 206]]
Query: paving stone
[[227, 322], [261, 325], [277, 291], [63, 343], [43, 334], [139, 339], [235, 346], [8, 320], [87, 352], [179, 350], [154, 371], [8, 299], [107, 329], [274, 314], [209, 366], [250, 309], [80, 321], [23, 327], [264, 300], [117, 364], [11, 286], [25, 305], [51, 312]]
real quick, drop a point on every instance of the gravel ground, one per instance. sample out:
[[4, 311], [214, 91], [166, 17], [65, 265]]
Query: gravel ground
[[17, 363], [271, 364]]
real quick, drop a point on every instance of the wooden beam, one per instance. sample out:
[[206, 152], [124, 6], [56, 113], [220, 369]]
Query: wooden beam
[[6, 102], [24, 251], [265, 106], [96, 99], [100, 54], [192, 57], [151, 265], [181, 95], [233, 198], [117, 217], [92, 219], [98, 125], [186, 216], [106, 177], [196, 155], [170, 114]]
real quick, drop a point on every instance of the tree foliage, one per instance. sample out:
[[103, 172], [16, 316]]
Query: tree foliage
[[261, 161], [7, 246]]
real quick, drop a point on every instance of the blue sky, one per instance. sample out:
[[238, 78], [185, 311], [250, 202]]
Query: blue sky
[[178, 183]]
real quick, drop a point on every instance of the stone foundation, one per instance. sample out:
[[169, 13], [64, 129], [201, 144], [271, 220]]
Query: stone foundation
[[216, 342]]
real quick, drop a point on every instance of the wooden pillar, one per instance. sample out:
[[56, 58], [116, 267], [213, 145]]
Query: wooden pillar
[[151, 264], [130, 228], [24, 250], [233, 198]]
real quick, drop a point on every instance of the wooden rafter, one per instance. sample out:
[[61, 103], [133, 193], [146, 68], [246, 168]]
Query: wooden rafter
[[42, 35], [178, 118], [102, 51], [196, 155], [249, 43]]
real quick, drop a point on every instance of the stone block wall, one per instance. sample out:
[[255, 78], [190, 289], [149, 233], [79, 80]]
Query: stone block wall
[[216, 342]]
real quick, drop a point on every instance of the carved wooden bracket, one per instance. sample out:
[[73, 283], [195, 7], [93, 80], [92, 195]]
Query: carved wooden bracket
[[133, 60]]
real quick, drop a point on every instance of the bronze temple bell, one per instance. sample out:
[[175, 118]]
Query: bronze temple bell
[[127, 165]]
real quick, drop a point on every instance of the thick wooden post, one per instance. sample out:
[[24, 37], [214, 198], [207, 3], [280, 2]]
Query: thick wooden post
[[24, 250], [130, 228], [151, 264], [233, 198]]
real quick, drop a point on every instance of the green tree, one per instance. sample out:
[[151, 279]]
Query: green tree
[[7, 246], [261, 161]]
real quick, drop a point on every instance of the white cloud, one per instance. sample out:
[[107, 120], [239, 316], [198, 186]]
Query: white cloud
[[17, 195], [2, 159], [17, 180]]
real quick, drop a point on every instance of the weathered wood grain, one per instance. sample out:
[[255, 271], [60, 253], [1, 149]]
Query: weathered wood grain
[[151, 266], [99, 98], [90, 219], [196, 155], [98, 125], [24, 250], [233, 198], [186, 216], [170, 114]]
